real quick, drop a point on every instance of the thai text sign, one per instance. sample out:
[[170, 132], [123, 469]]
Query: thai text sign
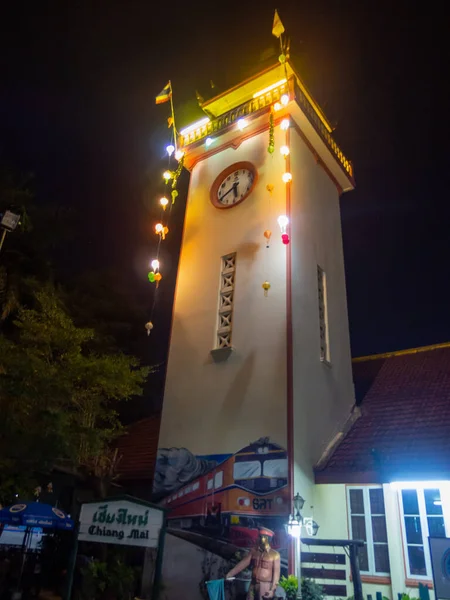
[[121, 522]]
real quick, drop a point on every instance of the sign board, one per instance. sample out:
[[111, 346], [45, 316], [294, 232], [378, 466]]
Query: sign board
[[9, 220], [440, 560], [121, 522]]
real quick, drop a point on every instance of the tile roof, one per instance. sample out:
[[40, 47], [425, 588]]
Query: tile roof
[[404, 428], [138, 448]]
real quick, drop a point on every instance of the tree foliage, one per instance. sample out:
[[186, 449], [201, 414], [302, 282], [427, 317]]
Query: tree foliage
[[57, 396]]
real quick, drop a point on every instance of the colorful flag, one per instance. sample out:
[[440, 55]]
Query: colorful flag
[[277, 27], [165, 94]]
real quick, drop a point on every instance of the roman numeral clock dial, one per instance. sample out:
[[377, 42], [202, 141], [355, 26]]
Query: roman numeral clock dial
[[233, 185]]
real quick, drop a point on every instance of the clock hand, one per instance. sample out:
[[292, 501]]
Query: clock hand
[[235, 187]]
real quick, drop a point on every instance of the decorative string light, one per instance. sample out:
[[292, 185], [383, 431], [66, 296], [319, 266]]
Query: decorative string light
[[164, 202], [287, 177], [284, 99], [285, 124], [284, 150], [283, 222], [170, 149], [161, 230], [208, 142], [167, 176], [277, 106], [179, 155], [242, 124]]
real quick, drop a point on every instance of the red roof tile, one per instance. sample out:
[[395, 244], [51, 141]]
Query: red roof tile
[[138, 448], [404, 430]]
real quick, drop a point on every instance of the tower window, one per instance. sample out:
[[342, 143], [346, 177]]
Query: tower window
[[323, 315], [226, 298]]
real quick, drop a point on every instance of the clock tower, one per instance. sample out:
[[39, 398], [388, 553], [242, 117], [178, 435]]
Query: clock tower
[[259, 371]]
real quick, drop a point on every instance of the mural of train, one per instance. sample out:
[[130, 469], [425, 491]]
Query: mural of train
[[245, 491]]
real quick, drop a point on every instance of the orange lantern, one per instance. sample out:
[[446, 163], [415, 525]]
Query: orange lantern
[[267, 235]]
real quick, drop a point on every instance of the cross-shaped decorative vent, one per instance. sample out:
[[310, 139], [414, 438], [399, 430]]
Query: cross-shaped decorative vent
[[226, 297]]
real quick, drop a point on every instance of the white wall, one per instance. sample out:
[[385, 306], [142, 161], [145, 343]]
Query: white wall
[[219, 408], [323, 395], [330, 511]]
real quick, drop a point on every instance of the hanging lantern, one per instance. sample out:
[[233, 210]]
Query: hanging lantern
[[149, 327], [158, 278], [267, 235], [266, 287], [164, 202], [161, 230], [283, 222], [174, 196]]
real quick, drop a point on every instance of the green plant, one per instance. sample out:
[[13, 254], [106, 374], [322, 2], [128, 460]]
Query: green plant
[[290, 586], [310, 589], [108, 580]]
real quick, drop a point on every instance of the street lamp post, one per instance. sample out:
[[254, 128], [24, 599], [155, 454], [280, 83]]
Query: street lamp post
[[8, 222], [294, 529]]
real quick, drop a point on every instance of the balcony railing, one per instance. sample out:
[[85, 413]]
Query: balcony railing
[[255, 105]]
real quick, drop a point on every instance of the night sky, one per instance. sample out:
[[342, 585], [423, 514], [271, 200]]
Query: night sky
[[77, 89]]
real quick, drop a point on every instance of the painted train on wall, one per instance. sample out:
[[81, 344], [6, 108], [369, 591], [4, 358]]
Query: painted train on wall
[[228, 497]]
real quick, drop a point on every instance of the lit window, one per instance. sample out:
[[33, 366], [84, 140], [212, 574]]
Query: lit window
[[218, 480], [323, 316], [210, 484], [247, 469], [423, 515], [226, 300], [196, 486], [368, 523]]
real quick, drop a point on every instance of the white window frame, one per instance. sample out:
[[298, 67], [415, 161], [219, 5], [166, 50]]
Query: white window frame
[[368, 522], [444, 490]]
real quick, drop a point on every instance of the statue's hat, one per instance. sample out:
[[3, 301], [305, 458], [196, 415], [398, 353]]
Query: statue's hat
[[265, 531]]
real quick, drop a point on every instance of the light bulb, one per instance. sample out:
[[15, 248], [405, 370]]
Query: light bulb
[[170, 149], [284, 150], [208, 142], [285, 124], [167, 175], [284, 99], [159, 227], [242, 124], [277, 106], [287, 177], [283, 222], [179, 154], [164, 202], [155, 264]]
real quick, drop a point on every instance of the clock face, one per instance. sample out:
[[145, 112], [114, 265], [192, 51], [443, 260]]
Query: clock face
[[233, 185]]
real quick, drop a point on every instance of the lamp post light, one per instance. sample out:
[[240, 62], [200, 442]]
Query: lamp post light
[[294, 529], [8, 222]]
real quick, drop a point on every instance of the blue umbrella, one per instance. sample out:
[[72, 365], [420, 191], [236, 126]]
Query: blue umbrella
[[35, 514]]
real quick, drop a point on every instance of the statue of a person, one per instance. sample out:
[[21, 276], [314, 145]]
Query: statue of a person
[[265, 565]]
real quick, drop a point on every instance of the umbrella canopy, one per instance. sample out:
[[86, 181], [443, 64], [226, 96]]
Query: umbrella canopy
[[35, 514]]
